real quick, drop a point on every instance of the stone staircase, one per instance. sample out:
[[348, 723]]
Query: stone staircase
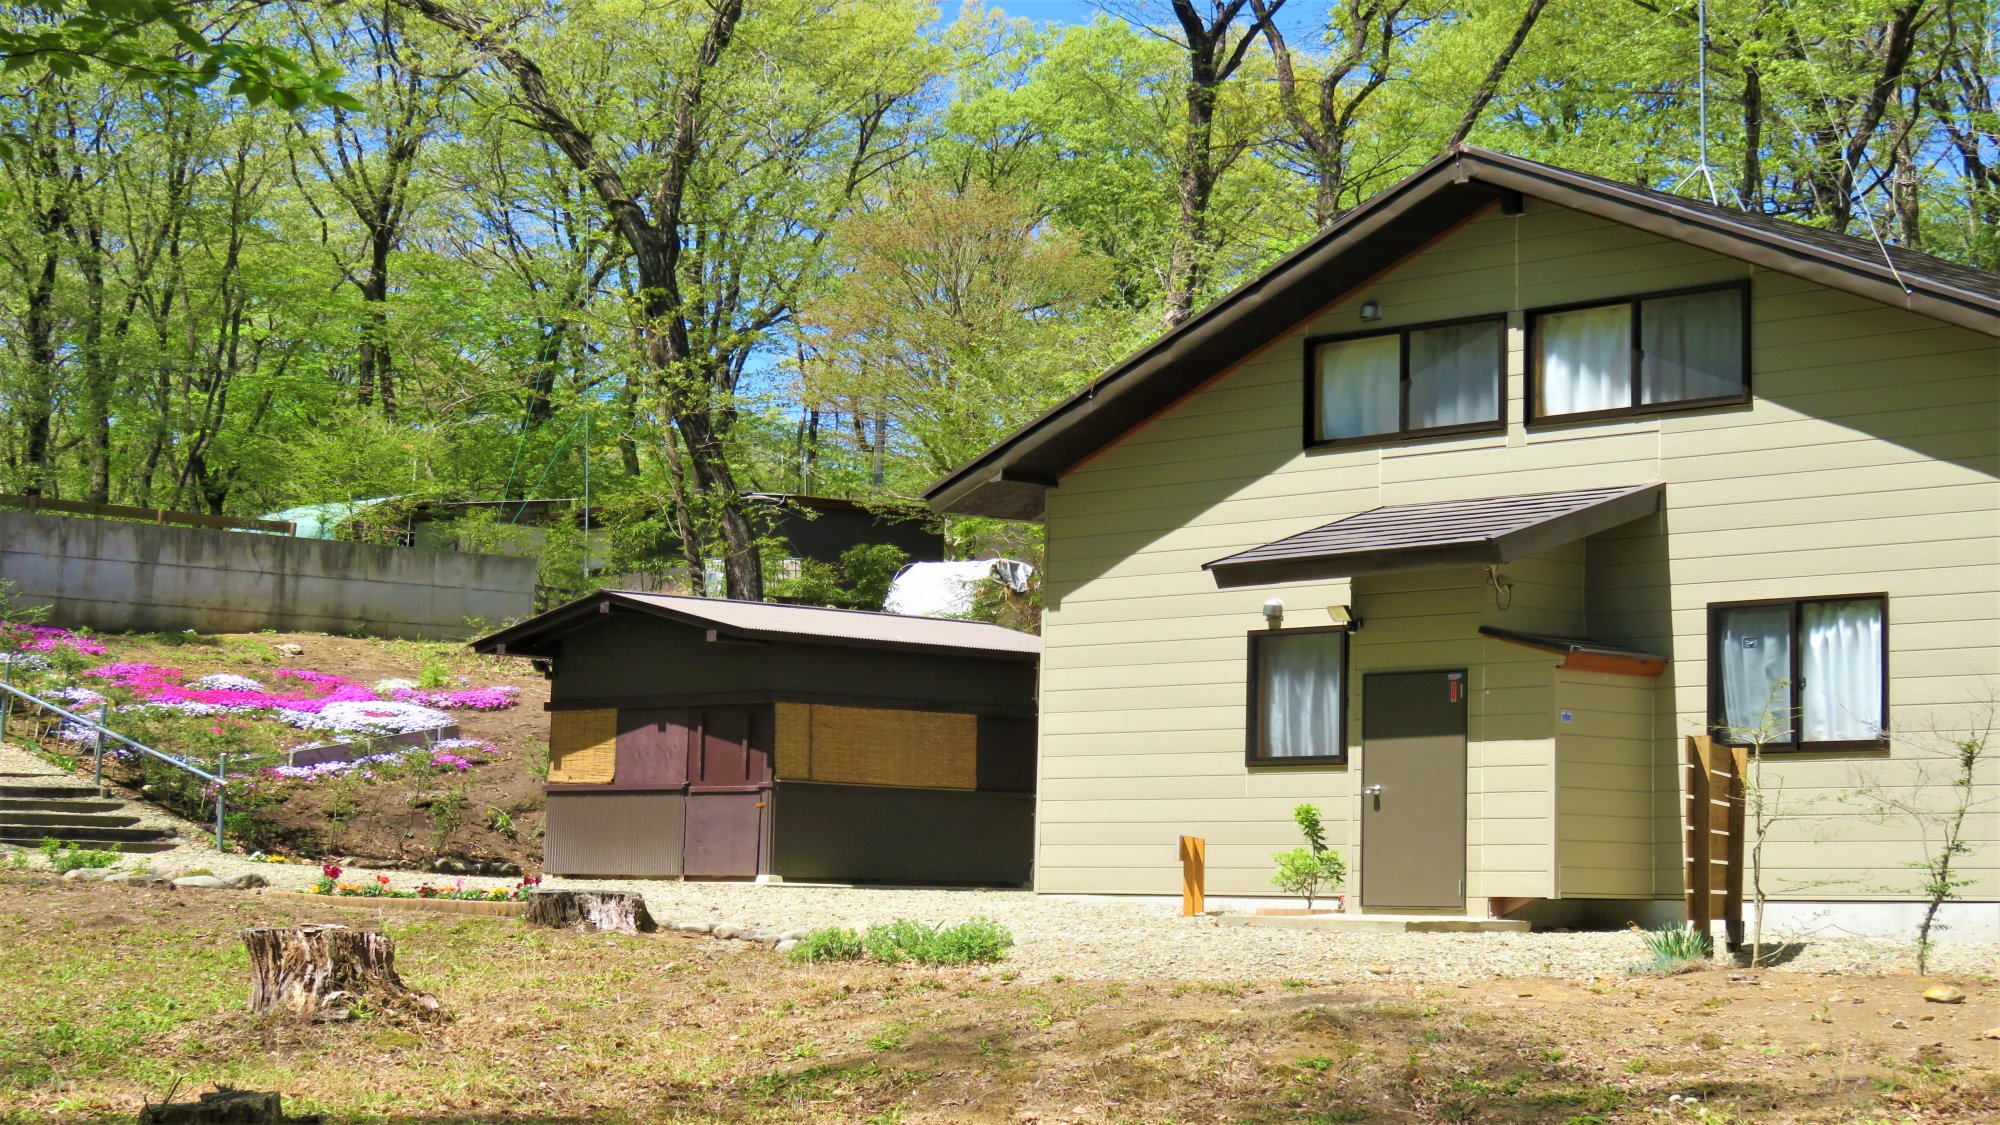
[[33, 809]]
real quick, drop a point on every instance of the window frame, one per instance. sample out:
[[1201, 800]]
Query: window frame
[[1531, 397], [1716, 715], [1402, 431], [1253, 712]]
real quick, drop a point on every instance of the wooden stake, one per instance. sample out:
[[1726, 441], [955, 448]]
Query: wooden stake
[[1194, 875]]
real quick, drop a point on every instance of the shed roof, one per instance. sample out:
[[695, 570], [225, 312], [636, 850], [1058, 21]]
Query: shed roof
[[1395, 537], [767, 621], [1010, 479]]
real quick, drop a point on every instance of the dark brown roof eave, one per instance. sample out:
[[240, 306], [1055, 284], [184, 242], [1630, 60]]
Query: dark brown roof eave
[[532, 637], [1010, 480]]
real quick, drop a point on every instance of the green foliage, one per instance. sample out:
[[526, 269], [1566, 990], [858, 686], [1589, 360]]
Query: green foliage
[[447, 813], [501, 821], [977, 941], [1678, 949], [833, 943], [901, 238], [65, 856], [436, 674], [860, 581], [1305, 871]]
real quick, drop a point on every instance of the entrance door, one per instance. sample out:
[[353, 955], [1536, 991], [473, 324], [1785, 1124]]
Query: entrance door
[[1413, 790], [729, 775]]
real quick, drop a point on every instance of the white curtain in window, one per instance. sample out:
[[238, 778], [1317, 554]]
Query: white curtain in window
[[1755, 652], [1300, 695], [1360, 387], [1691, 346], [1455, 375], [1841, 663], [1586, 360]]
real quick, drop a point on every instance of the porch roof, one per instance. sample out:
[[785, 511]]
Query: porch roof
[[1483, 532]]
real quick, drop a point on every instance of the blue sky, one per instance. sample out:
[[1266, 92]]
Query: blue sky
[[1297, 20]]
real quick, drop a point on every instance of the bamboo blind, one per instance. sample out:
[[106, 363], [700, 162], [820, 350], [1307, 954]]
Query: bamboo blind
[[792, 759], [875, 746], [583, 747]]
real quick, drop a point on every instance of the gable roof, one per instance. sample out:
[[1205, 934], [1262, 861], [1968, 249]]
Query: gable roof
[[1395, 537], [769, 621], [1008, 481]]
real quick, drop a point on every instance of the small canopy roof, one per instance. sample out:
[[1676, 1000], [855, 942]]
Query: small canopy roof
[[1449, 533], [768, 621], [1583, 655]]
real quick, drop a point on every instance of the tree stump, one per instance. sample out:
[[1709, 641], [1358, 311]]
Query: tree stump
[[617, 912], [320, 971], [223, 1107]]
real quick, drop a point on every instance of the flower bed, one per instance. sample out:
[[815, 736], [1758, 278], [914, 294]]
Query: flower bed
[[329, 884]]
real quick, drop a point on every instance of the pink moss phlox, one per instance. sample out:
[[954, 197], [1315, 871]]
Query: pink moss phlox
[[462, 699], [47, 638]]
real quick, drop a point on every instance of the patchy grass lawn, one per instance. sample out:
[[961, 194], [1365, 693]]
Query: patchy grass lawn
[[116, 994]]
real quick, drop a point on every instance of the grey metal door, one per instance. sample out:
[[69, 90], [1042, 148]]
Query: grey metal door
[[1413, 790]]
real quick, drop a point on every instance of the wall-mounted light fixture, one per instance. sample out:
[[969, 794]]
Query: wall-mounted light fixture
[[1343, 616], [1274, 612], [1371, 310]]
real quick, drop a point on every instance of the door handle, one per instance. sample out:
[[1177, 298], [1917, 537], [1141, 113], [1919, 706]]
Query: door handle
[[1373, 790]]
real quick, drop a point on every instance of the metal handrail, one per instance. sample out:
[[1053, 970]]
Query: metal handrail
[[217, 779]]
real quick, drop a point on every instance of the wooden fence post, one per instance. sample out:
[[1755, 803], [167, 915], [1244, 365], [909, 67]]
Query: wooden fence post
[[1732, 899], [1696, 835], [1713, 836], [1194, 875]]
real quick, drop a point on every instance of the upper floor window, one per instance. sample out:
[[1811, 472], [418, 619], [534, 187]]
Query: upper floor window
[[1641, 354], [1811, 674], [1429, 379]]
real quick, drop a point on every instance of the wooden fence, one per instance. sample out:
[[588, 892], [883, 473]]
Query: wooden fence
[[1712, 836]]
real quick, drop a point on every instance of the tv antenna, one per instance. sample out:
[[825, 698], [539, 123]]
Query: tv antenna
[[1703, 169]]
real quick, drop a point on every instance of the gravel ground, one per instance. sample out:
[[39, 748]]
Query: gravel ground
[[1107, 938]]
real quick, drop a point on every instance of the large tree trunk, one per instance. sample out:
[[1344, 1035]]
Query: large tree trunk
[[598, 912], [320, 971], [376, 369]]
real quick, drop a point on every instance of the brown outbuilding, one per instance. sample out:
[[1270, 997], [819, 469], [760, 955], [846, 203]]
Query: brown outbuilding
[[705, 738]]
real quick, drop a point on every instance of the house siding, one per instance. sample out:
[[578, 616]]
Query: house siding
[[1867, 462]]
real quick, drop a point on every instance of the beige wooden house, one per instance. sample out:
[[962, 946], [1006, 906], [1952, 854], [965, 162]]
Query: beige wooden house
[[1458, 519]]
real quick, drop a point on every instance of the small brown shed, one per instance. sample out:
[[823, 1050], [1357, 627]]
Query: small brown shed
[[705, 738]]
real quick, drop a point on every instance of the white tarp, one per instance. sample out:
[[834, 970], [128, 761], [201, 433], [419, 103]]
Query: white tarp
[[946, 589]]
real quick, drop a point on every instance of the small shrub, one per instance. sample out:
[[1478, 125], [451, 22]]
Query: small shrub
[[436, 675], [68, 857], [833, 943], [501, 821], [1678, 949], [447, 813], [1304, 871]]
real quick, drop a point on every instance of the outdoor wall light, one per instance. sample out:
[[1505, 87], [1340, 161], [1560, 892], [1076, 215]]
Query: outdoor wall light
[[1344, 616], [1371, 310], [1274, 612]]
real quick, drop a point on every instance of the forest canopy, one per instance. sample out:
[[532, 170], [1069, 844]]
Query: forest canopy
[[254, 256]]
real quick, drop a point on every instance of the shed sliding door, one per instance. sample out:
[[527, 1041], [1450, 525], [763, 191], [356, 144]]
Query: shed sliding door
[[729, 785]]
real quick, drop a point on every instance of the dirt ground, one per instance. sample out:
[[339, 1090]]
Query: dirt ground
[[387, 822], [117, 993]]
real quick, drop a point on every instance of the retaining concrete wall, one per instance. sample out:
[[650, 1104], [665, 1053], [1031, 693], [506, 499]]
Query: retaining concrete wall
[[120, 577]]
